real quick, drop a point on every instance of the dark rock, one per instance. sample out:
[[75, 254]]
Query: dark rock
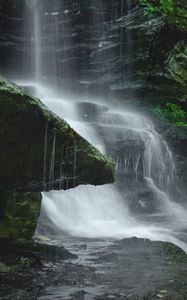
[[177, 64], [39, 151], [104, 47], [89, 111], [38, 148], [131, 268], [20, 215], [43, 251]]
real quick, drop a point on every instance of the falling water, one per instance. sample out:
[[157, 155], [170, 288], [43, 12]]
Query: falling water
[[142, 201], [74, 164], [37, 43], [107, 211], [52, 164], [45, 156], [121, 32], [36, 54]]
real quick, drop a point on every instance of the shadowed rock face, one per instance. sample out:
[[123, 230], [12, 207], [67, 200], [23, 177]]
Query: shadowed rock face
[[103, 46], [39, 151]]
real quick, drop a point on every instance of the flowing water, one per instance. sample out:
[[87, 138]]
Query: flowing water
[[139, 203], [142, 201]]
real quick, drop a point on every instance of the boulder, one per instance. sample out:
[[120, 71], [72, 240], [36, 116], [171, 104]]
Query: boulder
[[40, 151], [177, 63]]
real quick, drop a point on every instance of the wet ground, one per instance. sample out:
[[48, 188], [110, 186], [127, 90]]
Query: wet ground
[[127, 269]]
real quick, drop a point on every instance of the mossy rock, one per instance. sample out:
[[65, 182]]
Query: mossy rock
[[38, 151], [28, 248], [177, 63], [177, 255], [38, 148], [20, 215]]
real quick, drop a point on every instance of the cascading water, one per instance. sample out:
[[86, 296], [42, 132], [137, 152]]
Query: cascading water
[[107, 211], [140, 203]]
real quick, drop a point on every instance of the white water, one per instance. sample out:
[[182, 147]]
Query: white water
[[99, 212], [103, 211], [142, 157]]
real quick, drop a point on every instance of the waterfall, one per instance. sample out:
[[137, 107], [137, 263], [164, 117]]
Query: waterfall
[[145, 176], [142, 201], [74, 164], [36, 37], [47, 35], [45, 157], [37, 45], [52, 164]]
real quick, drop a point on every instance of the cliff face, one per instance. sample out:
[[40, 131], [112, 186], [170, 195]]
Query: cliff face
[[104, 47]]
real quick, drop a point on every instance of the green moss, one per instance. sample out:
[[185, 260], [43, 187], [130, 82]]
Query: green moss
[[174, 11], [176, 65], [20, 215], [25, 262], [23, 121], [4, 268], [6, 231], [177, 254], [165, 7], [172, 113]]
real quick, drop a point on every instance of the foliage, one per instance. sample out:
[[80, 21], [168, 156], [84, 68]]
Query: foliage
[[25, 262], [20, 215], [173, 113], [165, 7], [3, 268], [174, 11]]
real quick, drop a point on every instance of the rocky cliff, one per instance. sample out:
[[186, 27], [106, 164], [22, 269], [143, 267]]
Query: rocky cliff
[[105, 47]]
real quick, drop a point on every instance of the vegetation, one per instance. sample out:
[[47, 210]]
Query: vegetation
[[20, 215], [25, 262], [3, 268], [24, 124], [174, 11], [172, 113]]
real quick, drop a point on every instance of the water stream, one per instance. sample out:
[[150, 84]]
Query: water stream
[[139, 203], [70, 54], [143, 202]]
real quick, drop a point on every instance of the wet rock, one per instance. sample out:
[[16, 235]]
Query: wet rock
[[118, 51], [38, 148], [28, 267], [44, 251], [39, 151], [127, 269], [89, 111], [177, 63], [20, 213]]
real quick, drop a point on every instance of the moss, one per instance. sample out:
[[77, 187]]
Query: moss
[[4, 268], [23, 123], [23, 247], [171, 113], [173, 11], [178, 256], [6, 231], [20, 215], [176, 63]]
